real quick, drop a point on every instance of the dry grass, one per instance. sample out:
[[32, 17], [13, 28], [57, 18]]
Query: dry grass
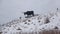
[[0, 32], [42, 32], [50, 32]]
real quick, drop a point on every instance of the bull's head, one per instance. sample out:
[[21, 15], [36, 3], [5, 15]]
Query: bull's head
[[24, 13]]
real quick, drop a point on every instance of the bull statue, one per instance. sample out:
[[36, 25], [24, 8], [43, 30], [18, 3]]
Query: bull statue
[[29, 13]]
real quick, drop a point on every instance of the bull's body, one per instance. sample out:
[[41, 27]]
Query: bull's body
[[29, 13]]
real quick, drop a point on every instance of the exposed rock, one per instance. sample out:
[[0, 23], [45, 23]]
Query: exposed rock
[[19, 29], [56, 27], [29, 20], [25, 22]]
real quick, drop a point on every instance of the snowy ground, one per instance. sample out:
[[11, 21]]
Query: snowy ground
[[36, 23]]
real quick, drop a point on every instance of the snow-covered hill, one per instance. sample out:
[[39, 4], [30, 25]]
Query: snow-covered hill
[[33, 24]]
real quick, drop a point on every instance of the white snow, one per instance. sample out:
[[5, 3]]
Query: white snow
[[36, 23]]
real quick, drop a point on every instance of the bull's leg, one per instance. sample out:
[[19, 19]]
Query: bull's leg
[[32, 14]]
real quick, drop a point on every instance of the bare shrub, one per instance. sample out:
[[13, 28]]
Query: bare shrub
[[19, 29], [56, 27], [25, 22], [29, 20], [0, 32], [28, 23], [20, 17], [47, 20], [50, 32], [38, 21]]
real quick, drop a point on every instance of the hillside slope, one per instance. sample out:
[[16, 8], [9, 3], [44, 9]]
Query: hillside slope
[[33, 24]]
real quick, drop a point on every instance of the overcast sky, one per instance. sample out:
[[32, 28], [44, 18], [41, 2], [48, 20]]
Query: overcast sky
[[12, 9]]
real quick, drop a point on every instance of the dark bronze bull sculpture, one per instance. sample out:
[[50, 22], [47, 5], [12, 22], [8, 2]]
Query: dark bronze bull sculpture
[[29, 13]]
